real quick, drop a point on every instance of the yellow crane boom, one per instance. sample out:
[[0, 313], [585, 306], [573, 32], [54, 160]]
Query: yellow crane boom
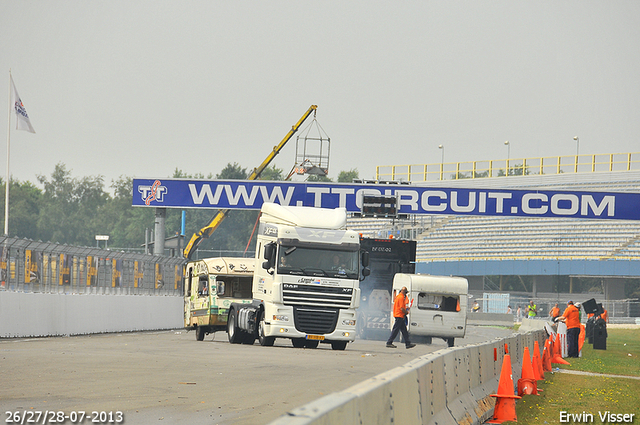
[[208, 230]]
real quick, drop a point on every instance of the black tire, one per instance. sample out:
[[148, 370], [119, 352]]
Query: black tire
[[450, 341], [338, 345], [298, 342], [200, 333], [311, 343], [233, 332], [265, 341]]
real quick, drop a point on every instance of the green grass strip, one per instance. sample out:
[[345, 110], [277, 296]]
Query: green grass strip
[[568, 398]]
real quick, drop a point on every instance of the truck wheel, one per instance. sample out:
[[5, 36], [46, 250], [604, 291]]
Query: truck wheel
[[265, 341], [450, 342], [200, 333], [338, 345], [298, 342], [233, 332]]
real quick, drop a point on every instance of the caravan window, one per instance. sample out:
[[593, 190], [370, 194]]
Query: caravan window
[[203, 286], [438, 302], [234, 286]]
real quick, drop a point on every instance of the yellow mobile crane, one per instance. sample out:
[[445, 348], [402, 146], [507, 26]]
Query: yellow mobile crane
[[208, 230]]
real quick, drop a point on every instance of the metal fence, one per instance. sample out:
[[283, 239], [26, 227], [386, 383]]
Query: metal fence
[[510, 167], [34, 266], [625, 311]]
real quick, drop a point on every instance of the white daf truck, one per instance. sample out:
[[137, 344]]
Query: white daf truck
[[438, 306], [211, 286], [306, 281]]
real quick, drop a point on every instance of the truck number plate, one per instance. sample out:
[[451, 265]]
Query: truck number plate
[[316, 337]]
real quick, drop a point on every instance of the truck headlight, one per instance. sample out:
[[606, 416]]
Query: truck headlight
[[349, 322], [280, 317]]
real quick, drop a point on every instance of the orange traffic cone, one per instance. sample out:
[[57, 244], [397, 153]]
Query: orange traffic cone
[[527, 384], [557, 352], [537, 363], [505, 409], [546, 356]]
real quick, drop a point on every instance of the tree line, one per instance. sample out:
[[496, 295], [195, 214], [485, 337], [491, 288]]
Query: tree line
[[73, 210]]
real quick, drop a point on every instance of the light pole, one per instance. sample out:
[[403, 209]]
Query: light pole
[[577, 139], [441, 161], [508, 155]]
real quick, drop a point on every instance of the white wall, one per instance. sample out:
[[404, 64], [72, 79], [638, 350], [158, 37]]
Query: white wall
[[36, 314]]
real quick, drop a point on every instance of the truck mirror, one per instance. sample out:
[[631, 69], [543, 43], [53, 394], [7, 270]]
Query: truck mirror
[[365, 258], [270, 256], [366, 271], [268, 250]]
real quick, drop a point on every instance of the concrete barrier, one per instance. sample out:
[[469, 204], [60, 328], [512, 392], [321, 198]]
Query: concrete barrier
[[490, 319], [451, 386], [40, 314], [532, 324]]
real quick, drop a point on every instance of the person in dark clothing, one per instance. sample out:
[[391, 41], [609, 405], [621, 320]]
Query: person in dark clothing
[[571, 317]]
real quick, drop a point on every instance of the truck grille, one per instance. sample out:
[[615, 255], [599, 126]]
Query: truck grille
[[314, 320], [294, 294]]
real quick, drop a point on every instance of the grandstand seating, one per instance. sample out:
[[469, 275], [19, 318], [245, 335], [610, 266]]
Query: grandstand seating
[[506, 237]]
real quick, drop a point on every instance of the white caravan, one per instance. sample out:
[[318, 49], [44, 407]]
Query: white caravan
[[438, 306]]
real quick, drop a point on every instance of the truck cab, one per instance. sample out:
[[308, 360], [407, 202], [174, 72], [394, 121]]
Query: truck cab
[[438, 306], [306, 281]]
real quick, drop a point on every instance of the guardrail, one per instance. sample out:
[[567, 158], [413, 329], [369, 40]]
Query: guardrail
[[450, 386], [50, 289], [42, 267], [510, 167]]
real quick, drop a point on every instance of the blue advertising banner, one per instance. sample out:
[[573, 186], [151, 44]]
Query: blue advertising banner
[[241, 194]]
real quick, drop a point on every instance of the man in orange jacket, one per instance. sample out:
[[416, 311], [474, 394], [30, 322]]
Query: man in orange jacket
[[400, 310], [554, 313], [571, 317]]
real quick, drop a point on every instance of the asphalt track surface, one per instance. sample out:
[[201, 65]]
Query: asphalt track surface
[[167, 377]]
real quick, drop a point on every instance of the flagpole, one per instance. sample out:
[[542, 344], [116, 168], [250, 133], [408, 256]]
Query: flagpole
[[6, 183]]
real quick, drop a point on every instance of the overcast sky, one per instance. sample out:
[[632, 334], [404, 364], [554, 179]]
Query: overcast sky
[[140, 88]]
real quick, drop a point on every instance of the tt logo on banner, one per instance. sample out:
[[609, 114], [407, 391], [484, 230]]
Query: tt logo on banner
[[154, 192]]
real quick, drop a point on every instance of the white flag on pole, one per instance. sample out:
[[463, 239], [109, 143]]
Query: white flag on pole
[[22, 119]]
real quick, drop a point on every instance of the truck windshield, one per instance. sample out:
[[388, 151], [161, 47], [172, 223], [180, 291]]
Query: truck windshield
[[318, 262]]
